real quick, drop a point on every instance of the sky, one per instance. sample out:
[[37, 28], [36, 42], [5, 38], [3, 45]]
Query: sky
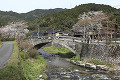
[[23, 6]]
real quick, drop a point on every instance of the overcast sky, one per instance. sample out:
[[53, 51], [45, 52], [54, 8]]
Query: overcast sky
[[23, 6]]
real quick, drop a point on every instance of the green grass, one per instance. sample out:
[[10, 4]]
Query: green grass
[[97, 62], [1, 43], [15, 56], [32, 68], [54, 50], [64, 52], [77, 58], [12, 70]]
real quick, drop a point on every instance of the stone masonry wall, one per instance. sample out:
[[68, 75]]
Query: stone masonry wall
[[100, 52]]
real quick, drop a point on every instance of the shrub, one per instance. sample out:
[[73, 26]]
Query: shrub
[[27, 50], [70, 54], [25, 46], [33, 53]]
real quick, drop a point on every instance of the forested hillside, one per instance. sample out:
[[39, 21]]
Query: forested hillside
[[38, 13], [66, 19], [10, 16]]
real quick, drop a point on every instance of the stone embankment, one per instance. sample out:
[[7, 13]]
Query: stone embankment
[[95, 67], [101, 52]]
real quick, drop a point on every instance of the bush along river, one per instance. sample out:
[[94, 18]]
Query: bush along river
[[60, 69]]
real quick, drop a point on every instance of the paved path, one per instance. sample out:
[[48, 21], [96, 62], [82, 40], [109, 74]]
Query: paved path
[[5, 52]]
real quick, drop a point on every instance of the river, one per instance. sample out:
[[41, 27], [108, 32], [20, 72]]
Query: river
[[60, 69]]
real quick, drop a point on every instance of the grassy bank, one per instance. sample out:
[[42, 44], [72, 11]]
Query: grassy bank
[[92, 61], [22, 69], [64, 52], [1, 43], [32, 68], [12, 70]]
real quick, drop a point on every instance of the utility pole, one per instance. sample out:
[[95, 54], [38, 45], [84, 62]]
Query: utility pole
[[53, 36], [107, 33], [98, 34], [38, 31], [115, 30], [84, 32]]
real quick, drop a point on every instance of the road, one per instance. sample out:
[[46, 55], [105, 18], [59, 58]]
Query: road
[[5, 52]]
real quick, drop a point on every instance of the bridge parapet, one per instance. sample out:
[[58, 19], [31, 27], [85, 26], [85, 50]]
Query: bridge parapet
[[44, 39]]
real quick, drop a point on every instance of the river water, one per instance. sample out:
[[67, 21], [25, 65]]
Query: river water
[[60, 69]]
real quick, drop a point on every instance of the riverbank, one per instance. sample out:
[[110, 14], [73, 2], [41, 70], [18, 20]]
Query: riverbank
[[61, 51], [96, 65], [33, 67], [103, 66], [91, 64], [18, 68], [58, 68]]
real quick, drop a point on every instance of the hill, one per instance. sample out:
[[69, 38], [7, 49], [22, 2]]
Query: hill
[[6, 17], [57, 18], [10, 16], [38, 13], [66, 19]]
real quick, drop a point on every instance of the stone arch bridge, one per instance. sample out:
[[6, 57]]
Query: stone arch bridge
[[65, 41], [100, 52]]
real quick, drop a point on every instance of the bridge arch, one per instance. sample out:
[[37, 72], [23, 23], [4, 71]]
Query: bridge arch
[[65, 41], [38, 46]]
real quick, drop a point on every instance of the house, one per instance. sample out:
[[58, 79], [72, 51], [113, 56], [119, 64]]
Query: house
[[36, 34], [62, 33], [49, 33], [78, 33], [108, 33], [56, 33]]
